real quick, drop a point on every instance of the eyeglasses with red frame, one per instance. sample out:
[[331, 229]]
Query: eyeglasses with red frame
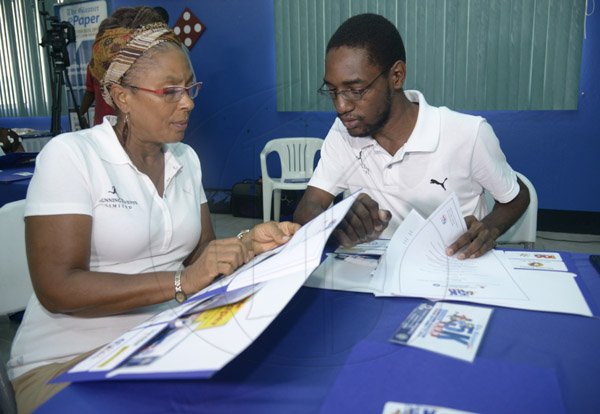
[[172, 94]]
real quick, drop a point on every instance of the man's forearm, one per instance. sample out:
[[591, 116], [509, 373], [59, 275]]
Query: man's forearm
[[313, 202], [504, 215], [306, 211]]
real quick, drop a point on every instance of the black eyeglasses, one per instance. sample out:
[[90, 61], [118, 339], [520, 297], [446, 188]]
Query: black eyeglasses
[[173, 94], [352, 95]]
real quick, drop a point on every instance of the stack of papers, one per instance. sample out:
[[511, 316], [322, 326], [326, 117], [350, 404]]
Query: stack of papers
[[415, 264]]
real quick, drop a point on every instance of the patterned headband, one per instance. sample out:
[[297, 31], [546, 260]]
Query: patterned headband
[[116, 50]]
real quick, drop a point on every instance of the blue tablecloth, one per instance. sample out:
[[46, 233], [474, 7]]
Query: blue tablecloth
[[329, 352]]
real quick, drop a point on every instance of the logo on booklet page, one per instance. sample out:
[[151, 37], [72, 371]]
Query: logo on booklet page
[[460, 292]]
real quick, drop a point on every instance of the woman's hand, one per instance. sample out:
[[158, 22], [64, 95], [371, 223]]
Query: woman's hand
[[267, 236], [224, 256], [219, 257]]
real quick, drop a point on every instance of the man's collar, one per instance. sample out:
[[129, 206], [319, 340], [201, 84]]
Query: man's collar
[[426, 134]]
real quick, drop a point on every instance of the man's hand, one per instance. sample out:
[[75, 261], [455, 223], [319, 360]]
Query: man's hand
[[267, 236], [482, 234], [478, 240], [364, 222]]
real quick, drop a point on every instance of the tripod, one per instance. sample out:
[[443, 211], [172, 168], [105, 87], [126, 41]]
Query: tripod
[[55, 40], [60, 79]]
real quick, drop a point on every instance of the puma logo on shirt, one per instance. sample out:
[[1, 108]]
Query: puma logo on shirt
[[442, 184]]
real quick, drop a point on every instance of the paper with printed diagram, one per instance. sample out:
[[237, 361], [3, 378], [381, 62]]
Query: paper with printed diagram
[[415, 264], [199, 337]]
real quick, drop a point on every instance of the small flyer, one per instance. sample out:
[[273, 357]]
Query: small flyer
[[535, 260], [368, 260], [376, 248], [392, 407], [446, 328]]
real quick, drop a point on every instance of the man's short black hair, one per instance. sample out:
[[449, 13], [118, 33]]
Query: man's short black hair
[[373, 33]]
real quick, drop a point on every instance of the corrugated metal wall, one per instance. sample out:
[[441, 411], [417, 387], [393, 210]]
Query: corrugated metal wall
[[24, 77], [465, 54]]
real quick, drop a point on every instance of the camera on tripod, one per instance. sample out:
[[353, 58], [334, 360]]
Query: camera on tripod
[[56, 39]]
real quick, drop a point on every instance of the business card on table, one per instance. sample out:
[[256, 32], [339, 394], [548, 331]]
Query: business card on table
[[392, 407], [535, 260], [446, 328]]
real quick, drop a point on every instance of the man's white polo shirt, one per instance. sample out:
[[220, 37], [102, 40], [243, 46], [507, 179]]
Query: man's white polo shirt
[[447, 151]]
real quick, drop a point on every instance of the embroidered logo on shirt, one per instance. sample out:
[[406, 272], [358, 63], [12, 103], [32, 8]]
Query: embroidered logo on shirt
[[114, 200], [442, 184]]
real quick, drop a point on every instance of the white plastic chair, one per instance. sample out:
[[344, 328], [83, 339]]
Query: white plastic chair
[[15, 283], [297, 156], [525, 229], [8, 405]]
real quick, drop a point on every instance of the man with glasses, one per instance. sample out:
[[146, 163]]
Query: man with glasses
[[403, 153]]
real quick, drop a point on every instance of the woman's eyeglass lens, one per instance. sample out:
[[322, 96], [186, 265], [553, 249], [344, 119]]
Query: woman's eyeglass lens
[[173, 94]]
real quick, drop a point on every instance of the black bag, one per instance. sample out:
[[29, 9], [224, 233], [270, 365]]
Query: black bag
[[219, 201], [289, 202], [246, 199]]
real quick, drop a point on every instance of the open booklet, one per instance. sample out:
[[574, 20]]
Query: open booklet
[[415, 264], [199, 337]]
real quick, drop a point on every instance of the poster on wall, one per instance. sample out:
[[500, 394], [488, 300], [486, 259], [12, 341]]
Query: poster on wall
[[85, 17]]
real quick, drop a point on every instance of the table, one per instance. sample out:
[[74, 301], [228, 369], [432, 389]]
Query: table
[[328, 352], [33, 140], [13, 187]]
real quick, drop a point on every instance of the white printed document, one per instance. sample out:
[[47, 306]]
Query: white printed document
[[415, 264], [535, 260], [199, 337], [349, 269], [347, 272]]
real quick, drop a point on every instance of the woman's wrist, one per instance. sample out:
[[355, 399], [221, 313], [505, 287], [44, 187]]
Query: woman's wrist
[[180, 290], [245, 236]]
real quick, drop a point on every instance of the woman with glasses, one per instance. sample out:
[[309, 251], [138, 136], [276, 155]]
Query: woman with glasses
[[117, 222]]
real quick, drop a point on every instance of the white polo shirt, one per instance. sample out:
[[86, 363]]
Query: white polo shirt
[[447, 151], [134, 230]]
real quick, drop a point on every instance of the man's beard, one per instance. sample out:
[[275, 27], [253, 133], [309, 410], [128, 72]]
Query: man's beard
[[379, 123]]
